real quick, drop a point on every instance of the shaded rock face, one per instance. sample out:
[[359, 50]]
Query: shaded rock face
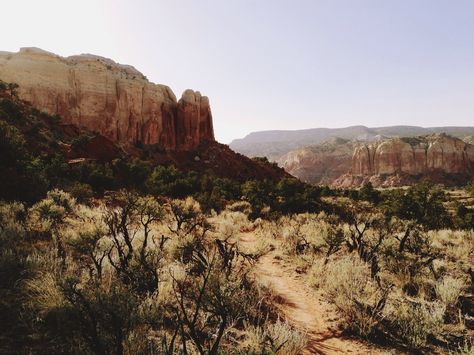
[[117, 101]]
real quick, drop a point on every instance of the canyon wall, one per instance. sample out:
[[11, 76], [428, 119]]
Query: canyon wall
[[114, 100], [414, 156], [386, 163], [401, 161], [319, 164]]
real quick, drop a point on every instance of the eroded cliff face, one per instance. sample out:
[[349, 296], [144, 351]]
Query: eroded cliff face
[[320, 164], [385, 163], [114, 100], [414, 156], [399, 161]]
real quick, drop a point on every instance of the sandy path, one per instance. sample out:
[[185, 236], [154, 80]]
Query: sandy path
[[307, 312]]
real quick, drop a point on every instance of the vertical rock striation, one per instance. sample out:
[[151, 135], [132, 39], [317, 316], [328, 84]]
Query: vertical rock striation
[[414, 156], [114, 100], [401, 161]]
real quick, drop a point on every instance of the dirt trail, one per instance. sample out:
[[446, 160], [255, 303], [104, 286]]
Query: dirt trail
[[307, 312]]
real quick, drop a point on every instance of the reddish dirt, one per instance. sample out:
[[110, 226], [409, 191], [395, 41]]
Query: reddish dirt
[[305, 309]]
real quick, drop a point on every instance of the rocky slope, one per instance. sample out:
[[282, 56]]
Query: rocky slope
[[275, 144], [387, 162], [115, 100]]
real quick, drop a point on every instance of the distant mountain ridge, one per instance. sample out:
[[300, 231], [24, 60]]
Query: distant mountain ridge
[[274, 144]]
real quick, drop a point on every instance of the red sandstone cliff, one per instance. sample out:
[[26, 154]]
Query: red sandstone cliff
[[115, 100]]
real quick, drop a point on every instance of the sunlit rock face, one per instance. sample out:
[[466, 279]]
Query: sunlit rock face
[[319, 164], [114, 100], [414, 156], [386, 162], [395, 161]]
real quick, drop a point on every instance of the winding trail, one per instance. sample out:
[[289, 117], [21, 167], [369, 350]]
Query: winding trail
[[305, 310]]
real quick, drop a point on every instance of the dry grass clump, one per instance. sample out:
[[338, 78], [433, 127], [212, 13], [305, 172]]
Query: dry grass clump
[[347, 283], [44, 293], [466, 348], [274, 338], [416, 321], [448, 290], [240, 206]]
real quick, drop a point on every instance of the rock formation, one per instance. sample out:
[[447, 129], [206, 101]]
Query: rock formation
[[115, 100], [386, 163], [414, 156], [399, 160], [319, 164]]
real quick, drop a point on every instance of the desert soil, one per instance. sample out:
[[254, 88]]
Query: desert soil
[[305, 309]]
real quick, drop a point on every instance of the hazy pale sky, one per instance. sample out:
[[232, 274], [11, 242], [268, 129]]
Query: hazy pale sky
[[276, 64]]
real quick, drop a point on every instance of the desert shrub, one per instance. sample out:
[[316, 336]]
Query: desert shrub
[[12, 145], [464, 218], [411, 256], [44, 293], [12, 224], [422, 203], [20, 179], [315, 276], [88, 243], [133, 276], [11, 110], [296, 236], [129, 220], [274, 338], [50, 216], [98, 176], [359, 299], [14, 266], [169, 181], [466, 348], [470, 188], [211, 200], [80, 142], [229, 224], [295, 196], [185, 215], [258, 194], [416, 321], [448, 290], [83, 193], [131, 173], [240, 206], [368, 193], [334, 237]]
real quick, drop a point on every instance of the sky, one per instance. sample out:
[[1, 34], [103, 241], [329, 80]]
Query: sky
[[276, 64]]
